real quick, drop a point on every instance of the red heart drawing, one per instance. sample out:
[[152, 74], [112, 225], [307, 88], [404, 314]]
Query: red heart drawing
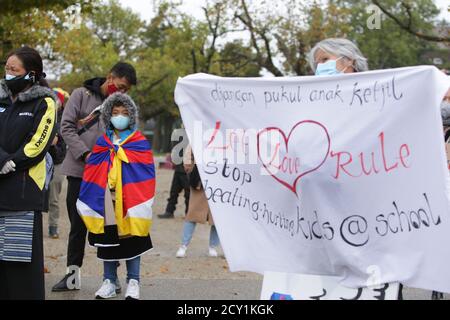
[[300, 174]]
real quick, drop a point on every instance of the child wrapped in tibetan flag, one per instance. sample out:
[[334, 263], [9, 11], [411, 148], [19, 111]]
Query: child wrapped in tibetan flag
[[117, 194]]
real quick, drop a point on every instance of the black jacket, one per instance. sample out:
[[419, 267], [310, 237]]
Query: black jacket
[[178, 148], [94, 85], [27, 129], [58, 151], [194, 179]]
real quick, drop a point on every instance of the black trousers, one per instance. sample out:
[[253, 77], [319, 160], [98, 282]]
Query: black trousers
[[21, 280], [180, 182], [400, 292], [78, 231]]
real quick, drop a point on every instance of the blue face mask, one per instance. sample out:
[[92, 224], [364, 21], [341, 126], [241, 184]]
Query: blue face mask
[[328, 68], [120, 122]]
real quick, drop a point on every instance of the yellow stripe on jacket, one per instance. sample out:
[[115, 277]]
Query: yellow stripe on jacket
[[39, 142], [41, 138]]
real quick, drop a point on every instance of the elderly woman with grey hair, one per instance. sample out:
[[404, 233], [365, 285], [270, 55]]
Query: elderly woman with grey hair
[[336, 55]]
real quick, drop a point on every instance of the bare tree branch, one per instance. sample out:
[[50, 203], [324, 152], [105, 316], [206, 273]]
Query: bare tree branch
[[266, 62], [230, 31], [154, 84], [408, 26], [194, 61], [213, 28], [157, 82], [408, 11]]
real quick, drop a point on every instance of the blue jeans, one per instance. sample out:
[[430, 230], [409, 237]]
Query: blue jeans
[[133, 269], [188, 231]]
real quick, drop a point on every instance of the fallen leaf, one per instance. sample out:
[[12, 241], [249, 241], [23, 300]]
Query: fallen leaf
[[164, 269]]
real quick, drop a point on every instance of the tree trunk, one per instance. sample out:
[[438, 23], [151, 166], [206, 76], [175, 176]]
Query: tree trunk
[[167, 133], [156, 143]]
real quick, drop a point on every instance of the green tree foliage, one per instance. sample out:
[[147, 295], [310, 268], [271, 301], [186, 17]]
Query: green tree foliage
[[175, 45], [116, 25], [389, 46], [84, 39], [287, 38], [82, 56], [17, 7], [103, 36], [35, 23]]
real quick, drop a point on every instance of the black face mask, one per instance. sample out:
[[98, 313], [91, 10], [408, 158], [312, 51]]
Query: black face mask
[[18, 84]]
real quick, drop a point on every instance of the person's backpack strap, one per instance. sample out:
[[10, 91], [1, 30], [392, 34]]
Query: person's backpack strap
[[90, 124], [92, 119]]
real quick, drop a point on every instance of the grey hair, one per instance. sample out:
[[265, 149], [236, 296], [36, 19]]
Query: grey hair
[[445, 113], [123, 100], [339, 47]]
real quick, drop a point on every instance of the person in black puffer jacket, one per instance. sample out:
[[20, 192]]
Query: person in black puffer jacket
[[27, 129]]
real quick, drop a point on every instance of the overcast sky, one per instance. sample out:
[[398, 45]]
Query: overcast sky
[[145, 7]]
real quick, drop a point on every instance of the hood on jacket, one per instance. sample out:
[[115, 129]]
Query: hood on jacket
[[35, 92], [123, 100], [94, 85]]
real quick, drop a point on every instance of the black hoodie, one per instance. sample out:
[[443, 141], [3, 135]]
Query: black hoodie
[[94, 86]]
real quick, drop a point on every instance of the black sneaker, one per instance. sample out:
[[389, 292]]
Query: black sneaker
[[63, 284], [53, 232], [118, 287], [436, 295], [166, 215]]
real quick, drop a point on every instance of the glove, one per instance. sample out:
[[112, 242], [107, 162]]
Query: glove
[[9, 166]]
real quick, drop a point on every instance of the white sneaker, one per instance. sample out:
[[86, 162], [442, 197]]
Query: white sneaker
[[106, 291], [213, 252], [132, 290], [181, 253]]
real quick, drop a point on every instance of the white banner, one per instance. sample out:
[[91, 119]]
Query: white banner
[[341, 176], [286, 286]]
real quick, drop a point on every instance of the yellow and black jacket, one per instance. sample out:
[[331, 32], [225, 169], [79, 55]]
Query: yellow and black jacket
[[27, 129]]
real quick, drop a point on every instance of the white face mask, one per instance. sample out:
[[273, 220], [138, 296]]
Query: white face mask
[[11, 77]]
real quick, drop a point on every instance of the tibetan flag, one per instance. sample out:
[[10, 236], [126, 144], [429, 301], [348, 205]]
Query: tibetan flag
[[127, 168]]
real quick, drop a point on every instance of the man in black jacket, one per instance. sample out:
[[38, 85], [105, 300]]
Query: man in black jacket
[[180, 180]]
